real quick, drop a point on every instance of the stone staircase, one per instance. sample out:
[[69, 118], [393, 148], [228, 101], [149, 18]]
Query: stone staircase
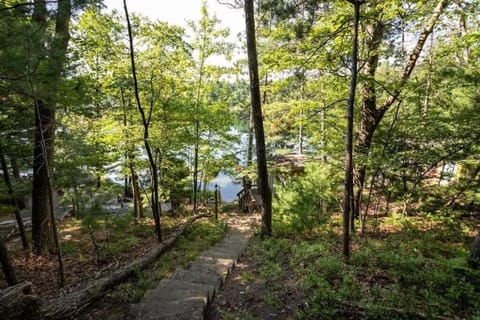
[[191, 288]]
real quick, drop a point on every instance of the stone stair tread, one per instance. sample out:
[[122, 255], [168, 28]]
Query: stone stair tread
[[237, 248], [203, 265], [210, 278], [162, 294], [185, 309], [220, 254], [236, 235]]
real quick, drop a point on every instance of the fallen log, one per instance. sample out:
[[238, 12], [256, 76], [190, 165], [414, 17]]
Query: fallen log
[[68, 306], [17, 302]]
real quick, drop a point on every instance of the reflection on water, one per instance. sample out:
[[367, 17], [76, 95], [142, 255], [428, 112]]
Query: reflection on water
[[228, 188]]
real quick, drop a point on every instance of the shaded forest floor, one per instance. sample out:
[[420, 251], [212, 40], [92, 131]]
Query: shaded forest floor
[[402, 268], [409, 268], [120, 241]]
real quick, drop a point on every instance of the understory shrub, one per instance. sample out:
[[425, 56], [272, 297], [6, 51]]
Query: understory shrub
[[411, 273], [306, 200]]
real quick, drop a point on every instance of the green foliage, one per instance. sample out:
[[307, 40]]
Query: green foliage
[[271, 271], [411, 272], [307, 201], [70, 248], [241, 314]]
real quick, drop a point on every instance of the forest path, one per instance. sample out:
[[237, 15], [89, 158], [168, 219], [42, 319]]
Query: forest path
[[191, 289]]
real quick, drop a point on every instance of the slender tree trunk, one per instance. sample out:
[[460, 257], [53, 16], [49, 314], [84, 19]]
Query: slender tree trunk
[[250, 138], [58, 251], [197, 126], [7, 267], [264, 186], [195, 166], [348, 189], [13, 199], [146, 138]]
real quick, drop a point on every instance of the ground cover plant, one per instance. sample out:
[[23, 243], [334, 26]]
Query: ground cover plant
[[411, 268]]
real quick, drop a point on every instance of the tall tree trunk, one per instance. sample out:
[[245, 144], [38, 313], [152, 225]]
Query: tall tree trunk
[[264, 186], [370, 115], [52, 57], [195, 167], [348, 188], [197, 125], [44, 132], [7, 267], [250, 139], [13, 199], [146, 125]]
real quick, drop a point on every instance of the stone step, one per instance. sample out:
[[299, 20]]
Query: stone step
[[184, 309], [192, 287], [206, 266], [170, 290], [195, 276], [236, 247]]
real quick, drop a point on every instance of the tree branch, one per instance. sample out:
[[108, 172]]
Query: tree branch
[[415, 54]]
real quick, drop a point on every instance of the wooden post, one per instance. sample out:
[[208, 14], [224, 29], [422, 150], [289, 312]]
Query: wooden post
[[217, 198]]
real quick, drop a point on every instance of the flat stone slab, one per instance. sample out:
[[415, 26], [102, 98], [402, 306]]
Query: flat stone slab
[[172, 290], [185, 309], [206, 266], [222, 254], [210, 278]]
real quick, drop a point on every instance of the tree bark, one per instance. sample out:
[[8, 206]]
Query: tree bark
[[250, 138], [43, 156], [255, 97]]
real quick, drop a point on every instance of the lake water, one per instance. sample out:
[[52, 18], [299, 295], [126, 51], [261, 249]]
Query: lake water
[[228, 188]]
